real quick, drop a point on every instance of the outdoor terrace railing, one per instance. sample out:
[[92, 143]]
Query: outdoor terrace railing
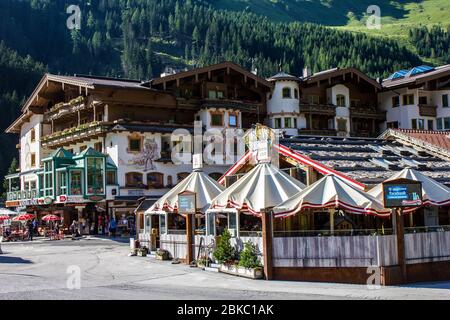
[[427, 229], [367, 112], [22, 195], [337, 233], [219, 103], [65, 108], [323, 109]]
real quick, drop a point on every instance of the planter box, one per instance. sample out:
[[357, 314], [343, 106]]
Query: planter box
[[162, 255], [255, 273]]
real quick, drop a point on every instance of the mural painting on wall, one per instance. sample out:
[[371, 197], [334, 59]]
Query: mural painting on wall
[[144, 160]]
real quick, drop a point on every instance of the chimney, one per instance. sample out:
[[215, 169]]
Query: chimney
[[255, 71], [307, 72]]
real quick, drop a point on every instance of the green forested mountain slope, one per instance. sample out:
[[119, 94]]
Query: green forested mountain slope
[[138, 38]]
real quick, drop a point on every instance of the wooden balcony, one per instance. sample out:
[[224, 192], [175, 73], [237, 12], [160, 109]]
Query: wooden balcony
[[319, 109], [62, 109], [317, 132], [427, 110], [367, 112], [218, 103], [74, 135]]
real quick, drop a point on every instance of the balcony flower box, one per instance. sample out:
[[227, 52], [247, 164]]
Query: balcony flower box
[[233, 269]]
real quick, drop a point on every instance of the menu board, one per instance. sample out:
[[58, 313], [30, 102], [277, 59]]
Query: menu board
[[186, 203]]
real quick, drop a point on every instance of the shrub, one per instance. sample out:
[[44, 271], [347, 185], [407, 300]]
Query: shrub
[[249, 257], [224, 251]]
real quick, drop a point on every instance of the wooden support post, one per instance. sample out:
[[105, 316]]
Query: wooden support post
[[190, 238], [332, 211], [400, 232], [267, 239]]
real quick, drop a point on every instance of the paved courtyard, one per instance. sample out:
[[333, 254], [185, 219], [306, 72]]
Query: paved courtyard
[[43, 269]]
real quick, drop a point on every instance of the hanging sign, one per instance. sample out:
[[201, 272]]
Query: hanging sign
[[402, 193]]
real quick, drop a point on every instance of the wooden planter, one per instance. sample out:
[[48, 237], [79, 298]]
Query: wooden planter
[[253, 273], [162, 255]]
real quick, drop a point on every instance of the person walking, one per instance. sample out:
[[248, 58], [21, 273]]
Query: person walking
[[30, 230], [113, 227]]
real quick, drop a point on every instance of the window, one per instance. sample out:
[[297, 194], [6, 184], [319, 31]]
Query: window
[[134, 179], [111, 177], [232, 120], [314, 99], [392, 125], [62, 183], [95, 175], [215, 175], [420, 124], [166, 149], [295, 122], [99, 117], [447, 123], [216, 119], [277, 123], [340, 100], [413, 123], [430, 125], [134, 144], [33, 159], [48, 179], [33, 135], [408, 99], [296, 93], [288, 122], [181, 176], [287, 93], [395, 101], [98, 147], [155, 180], [75, 183], [445, 103], [423, 100], [215, 94], [439, 125], [342, 125]]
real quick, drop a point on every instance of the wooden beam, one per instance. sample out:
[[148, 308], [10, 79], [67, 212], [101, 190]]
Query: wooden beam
[[190, 238], [400, 233], [267, 243]]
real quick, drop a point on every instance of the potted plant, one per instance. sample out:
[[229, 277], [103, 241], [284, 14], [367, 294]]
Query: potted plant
[[249, 265], [203, 261], [224, 252], [142, 252], [162, 254]]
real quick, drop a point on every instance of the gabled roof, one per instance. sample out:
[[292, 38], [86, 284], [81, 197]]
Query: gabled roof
[[90, 152], [60, 153], [223, 65], [322, 75], [280, 76]]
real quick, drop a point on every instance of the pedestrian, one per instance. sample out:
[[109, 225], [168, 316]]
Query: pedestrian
[[30, 230], [113, 227]]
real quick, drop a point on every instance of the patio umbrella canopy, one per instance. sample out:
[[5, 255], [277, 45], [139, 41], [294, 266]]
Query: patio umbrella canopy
[[205, 188], [51, 217], [331, 192], [7, 212], [263, 187], [2, 218], [24, 217], [433, 192]]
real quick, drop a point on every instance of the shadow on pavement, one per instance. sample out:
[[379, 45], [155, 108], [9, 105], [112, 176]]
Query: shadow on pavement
[[429, 285], [6, 259]]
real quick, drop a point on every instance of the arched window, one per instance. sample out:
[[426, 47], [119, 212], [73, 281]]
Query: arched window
[[340, 100], [155, 180], [134, 179], [181, 176], [215, 175], [296, 93], [287, 94]]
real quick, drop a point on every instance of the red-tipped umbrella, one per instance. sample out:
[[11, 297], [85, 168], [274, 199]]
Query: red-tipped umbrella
[[24, 217], [2, 218], [51, 217]]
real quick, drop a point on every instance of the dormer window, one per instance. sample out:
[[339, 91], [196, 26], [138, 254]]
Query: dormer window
[[287, 94]]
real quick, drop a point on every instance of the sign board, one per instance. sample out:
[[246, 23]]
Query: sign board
[[197, 161], [186, 203], [262, 151], [402, 193]]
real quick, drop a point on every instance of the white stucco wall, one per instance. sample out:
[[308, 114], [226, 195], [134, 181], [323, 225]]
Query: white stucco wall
[[341, 112], [279, 107]]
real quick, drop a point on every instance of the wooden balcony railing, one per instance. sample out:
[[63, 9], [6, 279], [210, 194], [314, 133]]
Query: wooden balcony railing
[[320, 109], [427, 110], [367, 112], [73, 135], [219, 103], [65, 108]]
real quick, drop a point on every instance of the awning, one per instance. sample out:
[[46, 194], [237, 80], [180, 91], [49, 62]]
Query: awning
[[433, 192], [263, 187], [205, 188], [331, 192]]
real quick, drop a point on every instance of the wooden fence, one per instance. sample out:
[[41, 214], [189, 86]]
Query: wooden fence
[[427, 247]]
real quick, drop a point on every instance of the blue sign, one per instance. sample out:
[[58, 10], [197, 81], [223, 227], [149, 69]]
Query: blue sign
[[402, 194]]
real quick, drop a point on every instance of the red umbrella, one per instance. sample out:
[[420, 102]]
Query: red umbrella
[[24, 217], [51, 217], [2, 218]]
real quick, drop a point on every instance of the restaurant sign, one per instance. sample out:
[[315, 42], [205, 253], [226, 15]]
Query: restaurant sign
[[402, 193], [186, 202]]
